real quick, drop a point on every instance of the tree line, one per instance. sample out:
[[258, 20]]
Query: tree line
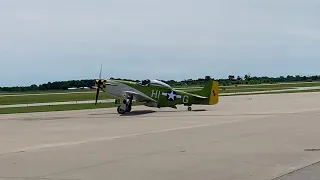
[[231, 80]]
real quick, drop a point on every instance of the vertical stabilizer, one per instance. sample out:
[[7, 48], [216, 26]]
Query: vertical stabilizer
[[214, 93], [211, 90]]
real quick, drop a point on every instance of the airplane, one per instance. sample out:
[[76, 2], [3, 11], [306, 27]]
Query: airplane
[[155, 93]]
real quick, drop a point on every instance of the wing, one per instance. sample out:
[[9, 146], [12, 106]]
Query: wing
[[140, 97]]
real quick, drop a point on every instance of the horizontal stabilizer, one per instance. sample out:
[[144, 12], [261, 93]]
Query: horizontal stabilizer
[[201, 97]]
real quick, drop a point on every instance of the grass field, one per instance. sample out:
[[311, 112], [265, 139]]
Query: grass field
[[6, 100], [257, 93], [43, 97], [46, 92], [278, 85], [55, 108], [246, 89]]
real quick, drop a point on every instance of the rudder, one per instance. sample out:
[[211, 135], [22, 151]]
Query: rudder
[[214, 93]]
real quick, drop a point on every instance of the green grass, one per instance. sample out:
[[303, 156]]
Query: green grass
[[282, 92], [278, 85], [284, 85], [103, 105], [90, 94], [48, 91], [55, 108], [8, 100], [233, 90]]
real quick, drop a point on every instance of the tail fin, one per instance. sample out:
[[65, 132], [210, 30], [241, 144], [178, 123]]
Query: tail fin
[[211, 90]]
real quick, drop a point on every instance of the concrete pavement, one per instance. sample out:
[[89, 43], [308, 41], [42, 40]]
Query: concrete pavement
[[257, 137]]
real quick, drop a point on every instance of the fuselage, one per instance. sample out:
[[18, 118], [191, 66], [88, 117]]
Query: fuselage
[[117, 88], [156, 93], [162, 94]]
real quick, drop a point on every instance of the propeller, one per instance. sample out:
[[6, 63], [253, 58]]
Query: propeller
[[100, 84]]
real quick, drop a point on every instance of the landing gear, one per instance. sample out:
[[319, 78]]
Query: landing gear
[[125, 106], [129, 108], [121, 110], [189, 108]]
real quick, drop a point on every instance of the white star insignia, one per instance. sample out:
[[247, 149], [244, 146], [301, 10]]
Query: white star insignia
[[171, 95]]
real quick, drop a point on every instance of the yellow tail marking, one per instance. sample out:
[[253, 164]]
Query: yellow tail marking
[[214, 94]]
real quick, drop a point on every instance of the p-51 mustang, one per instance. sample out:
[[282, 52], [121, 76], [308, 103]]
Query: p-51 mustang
[[155, 93]]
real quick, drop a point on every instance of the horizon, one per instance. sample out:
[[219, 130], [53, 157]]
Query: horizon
[[47, 41], [225, 78]]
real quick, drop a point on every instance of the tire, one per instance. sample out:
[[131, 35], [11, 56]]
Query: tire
[[120, 111], [189, 109]]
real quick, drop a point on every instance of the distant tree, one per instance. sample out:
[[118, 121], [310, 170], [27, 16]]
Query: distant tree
[[231, 77], [247, 77]]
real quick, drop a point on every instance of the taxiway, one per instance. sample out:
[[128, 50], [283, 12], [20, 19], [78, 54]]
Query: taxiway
[[258, 137]]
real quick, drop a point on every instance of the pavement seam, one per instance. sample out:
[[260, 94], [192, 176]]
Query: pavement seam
[[297, 170]]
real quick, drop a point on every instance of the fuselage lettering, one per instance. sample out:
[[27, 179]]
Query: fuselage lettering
[[185, 99], [154, 93]]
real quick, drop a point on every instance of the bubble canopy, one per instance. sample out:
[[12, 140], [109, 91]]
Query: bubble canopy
[[154, 82]]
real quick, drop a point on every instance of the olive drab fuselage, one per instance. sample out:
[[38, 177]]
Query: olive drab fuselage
[[167, 96]]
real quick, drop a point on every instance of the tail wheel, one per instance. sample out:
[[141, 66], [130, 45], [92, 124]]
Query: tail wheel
[[189, 108]]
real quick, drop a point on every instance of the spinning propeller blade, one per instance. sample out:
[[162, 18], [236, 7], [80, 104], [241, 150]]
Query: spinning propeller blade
[[97, 95], [100, 84]]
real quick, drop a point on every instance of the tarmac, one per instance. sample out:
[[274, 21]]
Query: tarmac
[[260, 137]]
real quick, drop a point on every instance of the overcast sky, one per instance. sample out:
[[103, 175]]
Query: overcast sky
[[51, 40]]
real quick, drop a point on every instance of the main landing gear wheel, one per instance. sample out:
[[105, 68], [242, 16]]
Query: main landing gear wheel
[[125, 106], [189, 109], [120, 111]]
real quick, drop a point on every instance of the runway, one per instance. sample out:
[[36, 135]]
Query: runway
[[258, 137]]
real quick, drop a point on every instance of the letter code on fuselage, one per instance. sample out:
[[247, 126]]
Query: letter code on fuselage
[[156, 94], [185, 99]]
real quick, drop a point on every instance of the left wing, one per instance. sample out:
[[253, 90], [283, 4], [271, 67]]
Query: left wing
[[140, 96]]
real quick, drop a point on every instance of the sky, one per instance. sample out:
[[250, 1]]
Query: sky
[[55, 40]]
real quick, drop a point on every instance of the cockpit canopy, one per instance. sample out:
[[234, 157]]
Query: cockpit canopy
[[154, 83]]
